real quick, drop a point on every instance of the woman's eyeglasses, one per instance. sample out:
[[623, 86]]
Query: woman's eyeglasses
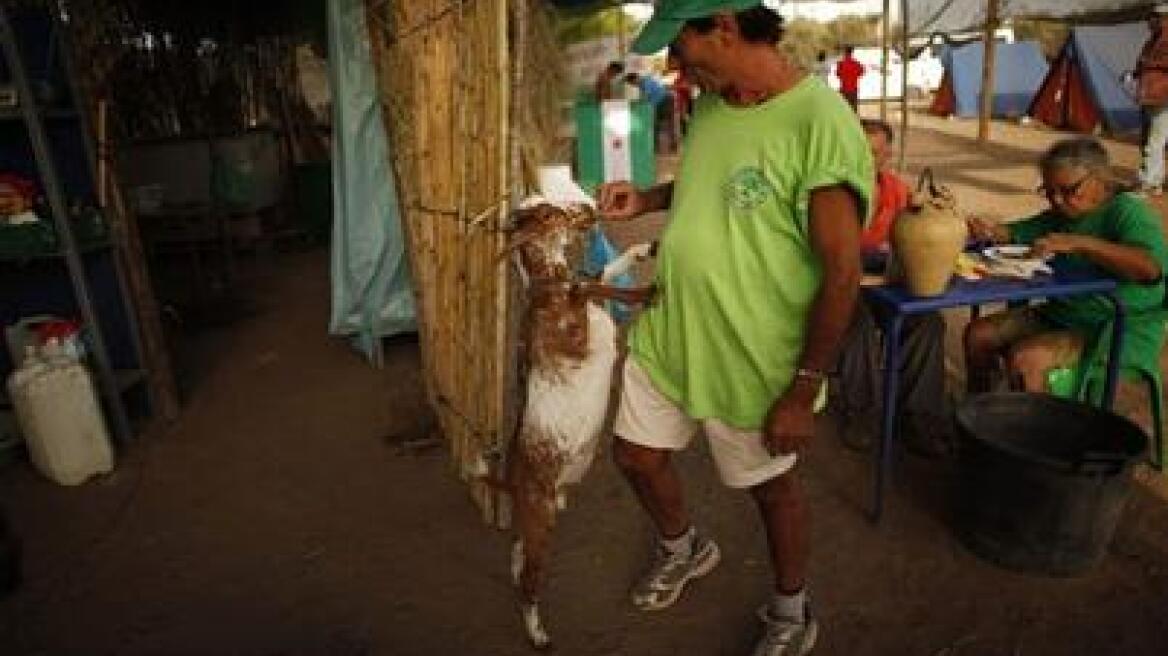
[[1066, 192]]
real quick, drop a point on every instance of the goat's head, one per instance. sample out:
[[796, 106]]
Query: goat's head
[[546, 236]]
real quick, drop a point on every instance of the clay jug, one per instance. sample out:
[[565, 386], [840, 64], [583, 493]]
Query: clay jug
[[927, 238]]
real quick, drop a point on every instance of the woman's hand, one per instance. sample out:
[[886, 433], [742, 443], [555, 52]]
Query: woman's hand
[[984, 230], [1058, 243], [1124, 261]]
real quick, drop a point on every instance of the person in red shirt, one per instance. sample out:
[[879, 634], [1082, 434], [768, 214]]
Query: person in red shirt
[[849, 71], [892, 194], [922, 391], [683, 89]]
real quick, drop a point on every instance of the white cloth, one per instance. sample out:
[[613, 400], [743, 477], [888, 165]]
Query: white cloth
[[1152, 168]]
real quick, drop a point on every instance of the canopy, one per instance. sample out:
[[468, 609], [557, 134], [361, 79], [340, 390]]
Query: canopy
[[930, 16], [952, 15]]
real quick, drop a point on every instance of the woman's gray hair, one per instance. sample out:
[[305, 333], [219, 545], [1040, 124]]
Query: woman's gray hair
[[1081, 152]]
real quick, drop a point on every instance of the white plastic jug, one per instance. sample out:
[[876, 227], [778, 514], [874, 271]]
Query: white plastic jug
[[58, 412]]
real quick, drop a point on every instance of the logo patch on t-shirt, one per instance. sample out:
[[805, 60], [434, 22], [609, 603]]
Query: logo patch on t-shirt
[[748, 189]]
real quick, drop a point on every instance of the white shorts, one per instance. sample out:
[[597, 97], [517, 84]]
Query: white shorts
[[648, 418]]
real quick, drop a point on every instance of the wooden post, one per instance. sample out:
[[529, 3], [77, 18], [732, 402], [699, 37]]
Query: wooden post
[[904, 28], [987, 71], [621, 38], [884, 61], [102, 144]]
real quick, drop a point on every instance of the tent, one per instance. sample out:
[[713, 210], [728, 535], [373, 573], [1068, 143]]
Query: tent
[[1086, 86], [1020, 71]]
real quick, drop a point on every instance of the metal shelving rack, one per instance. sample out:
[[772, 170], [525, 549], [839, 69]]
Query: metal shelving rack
[[110, 382]]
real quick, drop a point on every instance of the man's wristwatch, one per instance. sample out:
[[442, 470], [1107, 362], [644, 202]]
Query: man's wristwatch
[[813, 375]]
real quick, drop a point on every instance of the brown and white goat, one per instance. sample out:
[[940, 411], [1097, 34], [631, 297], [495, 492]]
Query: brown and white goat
[[571, 352]]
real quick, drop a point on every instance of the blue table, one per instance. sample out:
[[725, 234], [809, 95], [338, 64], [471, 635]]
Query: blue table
[[892, 303]]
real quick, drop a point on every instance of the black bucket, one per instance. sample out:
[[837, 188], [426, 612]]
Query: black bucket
[[1042, 480], [9, 558]]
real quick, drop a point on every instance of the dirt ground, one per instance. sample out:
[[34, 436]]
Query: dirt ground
[[282, 515]]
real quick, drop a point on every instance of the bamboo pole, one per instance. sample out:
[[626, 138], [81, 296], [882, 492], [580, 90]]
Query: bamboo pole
[[468, 92], [622, 38], [989, 55], [436, 99], [511, 160], [884, 61], [463, 155]]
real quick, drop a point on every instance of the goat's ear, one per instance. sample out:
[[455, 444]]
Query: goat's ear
[[532, 220], [521, 218]]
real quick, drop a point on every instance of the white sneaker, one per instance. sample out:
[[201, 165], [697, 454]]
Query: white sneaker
[[783, 636], [670, 572]]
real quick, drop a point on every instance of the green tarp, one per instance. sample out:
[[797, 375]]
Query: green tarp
[[371, 288]]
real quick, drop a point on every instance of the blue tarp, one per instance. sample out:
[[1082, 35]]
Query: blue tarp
[[1105, 53], [371, 288], [1020, 69]]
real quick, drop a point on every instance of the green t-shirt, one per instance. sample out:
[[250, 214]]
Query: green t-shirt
[[1124, 219], [736, 274]]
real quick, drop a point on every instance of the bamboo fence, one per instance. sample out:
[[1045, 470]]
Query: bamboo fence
[[461, 119]]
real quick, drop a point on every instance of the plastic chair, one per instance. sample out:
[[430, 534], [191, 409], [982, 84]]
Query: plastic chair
[[1085, 383]]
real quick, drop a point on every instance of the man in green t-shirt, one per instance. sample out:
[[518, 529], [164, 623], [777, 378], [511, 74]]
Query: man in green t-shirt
[[758, 272], [1088, 229]]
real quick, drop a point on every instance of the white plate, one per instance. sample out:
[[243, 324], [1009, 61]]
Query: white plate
[[1012, 253]]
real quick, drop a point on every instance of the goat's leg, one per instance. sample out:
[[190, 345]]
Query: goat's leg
[[626, 260], [535, 508]]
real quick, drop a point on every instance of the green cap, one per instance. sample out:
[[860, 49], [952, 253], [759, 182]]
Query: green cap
[[670, 15]]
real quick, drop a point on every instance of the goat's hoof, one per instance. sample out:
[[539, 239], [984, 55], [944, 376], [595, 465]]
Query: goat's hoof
[[534, 626], [516, 562]]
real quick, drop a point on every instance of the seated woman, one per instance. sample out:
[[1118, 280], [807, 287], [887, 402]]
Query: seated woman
[[1089, 229]]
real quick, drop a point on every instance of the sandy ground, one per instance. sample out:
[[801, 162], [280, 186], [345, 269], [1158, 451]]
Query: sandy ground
[[281, 515]]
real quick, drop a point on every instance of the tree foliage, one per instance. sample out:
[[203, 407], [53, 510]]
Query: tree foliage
[[804, 39], [574, 27], [1049, 34]]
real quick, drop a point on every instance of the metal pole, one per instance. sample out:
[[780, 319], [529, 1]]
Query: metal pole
[[56, 195], [904, 28], [987, 71], [884, 61]]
